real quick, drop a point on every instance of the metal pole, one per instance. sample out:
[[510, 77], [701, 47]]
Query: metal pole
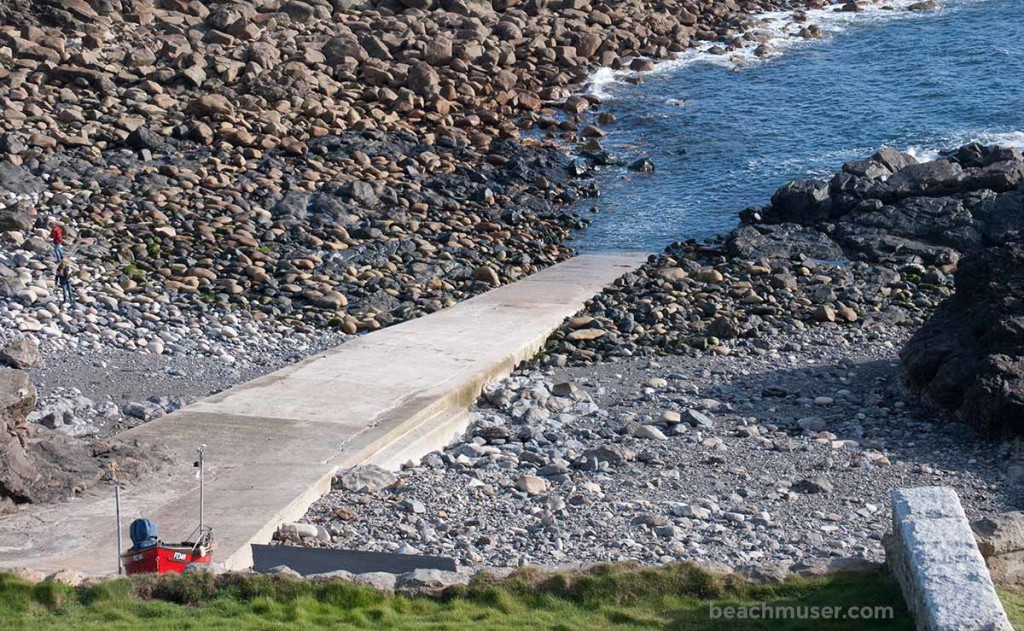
[[202, 449], [117, 509]]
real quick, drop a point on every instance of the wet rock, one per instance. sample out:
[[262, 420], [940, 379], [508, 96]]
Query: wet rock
[[642, 165]]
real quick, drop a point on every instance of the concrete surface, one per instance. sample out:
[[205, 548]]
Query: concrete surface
[[274, 444], [934, 556]]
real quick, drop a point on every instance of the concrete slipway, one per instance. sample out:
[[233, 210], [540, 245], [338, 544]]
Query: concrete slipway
[[274, 444]]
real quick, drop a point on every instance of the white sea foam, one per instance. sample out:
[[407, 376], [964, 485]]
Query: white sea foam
[[780, 32], [933, 150], [1005, 139], [602, 78], [922, 154]]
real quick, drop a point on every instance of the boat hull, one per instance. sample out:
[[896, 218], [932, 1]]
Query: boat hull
[[163, 559]]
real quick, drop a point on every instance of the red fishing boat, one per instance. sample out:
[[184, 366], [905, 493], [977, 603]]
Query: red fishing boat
[[150, 555], [165, 558]]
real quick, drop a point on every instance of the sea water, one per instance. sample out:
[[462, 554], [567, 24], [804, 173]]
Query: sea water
[[725, 131]]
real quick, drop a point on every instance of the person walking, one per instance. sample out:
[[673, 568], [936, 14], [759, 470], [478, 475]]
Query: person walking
[[57, 236], [64, 282]]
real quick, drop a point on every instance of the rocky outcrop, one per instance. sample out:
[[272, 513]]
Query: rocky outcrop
[[17, 398], [873, 246], [36, 466], [889, 208], [40, 465], [968, 358]]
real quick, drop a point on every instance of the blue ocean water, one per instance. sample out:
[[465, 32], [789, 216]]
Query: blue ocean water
[[724, 136]]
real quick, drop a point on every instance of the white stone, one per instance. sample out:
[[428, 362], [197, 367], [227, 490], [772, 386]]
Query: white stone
[[649, 432], [935, 558]]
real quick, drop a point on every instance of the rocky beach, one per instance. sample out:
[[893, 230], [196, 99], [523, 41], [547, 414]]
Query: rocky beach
[[242, 184], [740, 402], [246, 184]]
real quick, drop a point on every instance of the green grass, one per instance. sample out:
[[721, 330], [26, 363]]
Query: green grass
[[1013, 603], [605, 597]]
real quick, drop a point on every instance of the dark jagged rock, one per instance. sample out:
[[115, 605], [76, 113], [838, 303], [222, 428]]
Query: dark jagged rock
[[873, 246], [890, 208], [801, 201], [964, 213], [782, 242], [643, 165], [968, 358]]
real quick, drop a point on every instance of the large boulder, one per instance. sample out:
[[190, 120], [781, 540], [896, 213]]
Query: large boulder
[[927, 178], [782, 242], [22, 354], [364, 479], [16, 179], [802, 201], [338, 48], [423, 79], [968, 358], [17, 399], [14, 220]]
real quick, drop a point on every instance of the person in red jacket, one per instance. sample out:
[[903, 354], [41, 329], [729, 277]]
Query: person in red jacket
[[57, 236]]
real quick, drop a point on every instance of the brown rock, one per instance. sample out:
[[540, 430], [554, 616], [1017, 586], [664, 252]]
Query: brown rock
[[586, 335], [825, 313], [211, 105], [1000, 534], [22, 354], [672, 273], [710, 275], [588, 45], [487, 275]]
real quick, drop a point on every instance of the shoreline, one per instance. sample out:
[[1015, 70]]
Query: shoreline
[[501, 227], [202, 343]]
